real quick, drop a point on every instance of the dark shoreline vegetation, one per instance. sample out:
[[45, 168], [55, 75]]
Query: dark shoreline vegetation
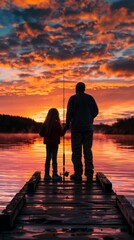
[[121, 126], [16, 124]]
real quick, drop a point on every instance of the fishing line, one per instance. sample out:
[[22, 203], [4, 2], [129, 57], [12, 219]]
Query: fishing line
[[63, 125], [65, 173]]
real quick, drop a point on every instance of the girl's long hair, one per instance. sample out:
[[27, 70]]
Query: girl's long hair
[[51, 118]]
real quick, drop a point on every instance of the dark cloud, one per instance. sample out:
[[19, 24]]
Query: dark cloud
[[62, 53], [123, 65], [19, 16], [24, 60], [82, 27], [97, 49], [38, 12], [131, 40], [24, 75], [8, 17], [62, 1], [128, 4], [88, 8], [71, 11], [33, 14], [3, 46], [41, 42], [71, 33], [129, 52], [47, 74], [36, 26], [13, 41]]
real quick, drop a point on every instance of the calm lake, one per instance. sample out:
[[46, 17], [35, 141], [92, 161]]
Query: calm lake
[[23, 154]]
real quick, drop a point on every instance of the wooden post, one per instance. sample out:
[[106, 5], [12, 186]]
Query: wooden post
[[104, 182], [127, 210], [33, 182], [9, 214], [11, 211]]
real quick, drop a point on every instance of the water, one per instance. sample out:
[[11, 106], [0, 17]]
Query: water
[[23, 154]]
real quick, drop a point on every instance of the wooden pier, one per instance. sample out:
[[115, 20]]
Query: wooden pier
[[67, 210]]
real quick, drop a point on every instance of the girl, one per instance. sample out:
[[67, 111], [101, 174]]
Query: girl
[[51, 131]]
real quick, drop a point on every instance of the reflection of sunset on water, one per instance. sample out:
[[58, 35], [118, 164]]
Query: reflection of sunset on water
[[112, 152], [24, 154]]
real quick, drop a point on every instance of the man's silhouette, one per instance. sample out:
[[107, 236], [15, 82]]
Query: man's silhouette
[[81, 111]]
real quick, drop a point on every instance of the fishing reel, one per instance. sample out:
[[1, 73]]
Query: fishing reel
[[65, 174]]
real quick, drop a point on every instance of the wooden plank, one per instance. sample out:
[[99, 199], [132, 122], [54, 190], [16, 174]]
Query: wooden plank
[[63, 221], [92, 206], [127, 210], [70, 186], [68, 183], [33, 182], [104, 181], [41, 232], [74, 190], [69, 192], [39, 209], [72, 197], [76, 215]]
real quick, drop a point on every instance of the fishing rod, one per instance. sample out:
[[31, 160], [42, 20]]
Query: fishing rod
[[63, 125], [65, 173]]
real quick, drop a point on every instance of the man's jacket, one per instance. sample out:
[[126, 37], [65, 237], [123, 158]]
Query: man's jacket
[[81, 111]]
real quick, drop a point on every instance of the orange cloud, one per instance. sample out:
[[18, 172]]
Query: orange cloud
[[119, 18], [27, 3], [111, 19], [27, 31], [105, 37]]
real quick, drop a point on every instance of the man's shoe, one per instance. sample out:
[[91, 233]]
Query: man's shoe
[[56, 178], [75, 177], [90, 177], [47, 177]]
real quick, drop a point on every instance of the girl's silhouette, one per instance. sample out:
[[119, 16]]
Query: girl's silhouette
[[51, 131]]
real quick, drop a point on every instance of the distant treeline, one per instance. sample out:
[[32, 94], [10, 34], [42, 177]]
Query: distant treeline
[[16, 124], [122, 126]]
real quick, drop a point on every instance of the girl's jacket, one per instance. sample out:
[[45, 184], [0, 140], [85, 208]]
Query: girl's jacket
[[54, 137]]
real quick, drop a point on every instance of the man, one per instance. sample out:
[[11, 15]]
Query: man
[[81, 111]]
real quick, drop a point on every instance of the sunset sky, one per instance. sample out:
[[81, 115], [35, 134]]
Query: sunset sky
[[44, 43]]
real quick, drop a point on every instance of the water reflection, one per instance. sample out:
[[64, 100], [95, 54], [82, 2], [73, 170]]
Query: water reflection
[[23, 154], [9, 140], [123, 140]]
